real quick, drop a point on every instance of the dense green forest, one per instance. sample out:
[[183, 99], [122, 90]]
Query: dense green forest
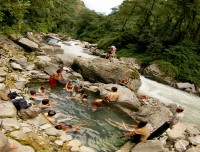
[[166, 32]]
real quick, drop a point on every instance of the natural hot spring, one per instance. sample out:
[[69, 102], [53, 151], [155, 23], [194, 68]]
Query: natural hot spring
[[99, 135]]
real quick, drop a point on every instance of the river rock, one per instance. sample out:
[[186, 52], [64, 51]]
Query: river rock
[[7, 110], [101, 70], [65, 137], [16, 66], [28, 43], [20, 147], [38, 75], [43, 58], [45, 126], [19, 135], [3, 96], [192, 130], [153, 72], [149, 146], [4, 144], [177, 132], [74, 143], [75, 149], [181, 145], [127, 98], [2, 86], [23, 61], [30, 67], [195, 140], [52, 132], [2, 72], [20, 85], [2, 79], [59, 142], [155, 115], [186, 86], [193, 149], [10, 124], [86, 149]]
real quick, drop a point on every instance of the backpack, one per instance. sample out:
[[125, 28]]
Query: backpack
[[20, 103]]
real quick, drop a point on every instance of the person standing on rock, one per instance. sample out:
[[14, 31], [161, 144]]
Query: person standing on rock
[[111, 52], [55, 77]]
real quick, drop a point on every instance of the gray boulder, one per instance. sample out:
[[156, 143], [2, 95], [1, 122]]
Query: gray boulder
[[132, 62], [155, 115], [10, 124], [149, 146], [195, 140], [2, 86], [153, 72], [65, 60], [186, 86], [181, 145], [28, 43], [16, 66], [192, 130], [177, 132], [101, 70], [193, 149], [7, 110]]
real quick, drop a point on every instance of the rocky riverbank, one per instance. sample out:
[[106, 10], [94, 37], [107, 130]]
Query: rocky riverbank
[[30, 57]]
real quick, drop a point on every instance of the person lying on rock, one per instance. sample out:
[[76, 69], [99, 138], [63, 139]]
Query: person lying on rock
[[50, 116], [140, 133], [69, 87], [112, 97], [55, 77], [69, 128]]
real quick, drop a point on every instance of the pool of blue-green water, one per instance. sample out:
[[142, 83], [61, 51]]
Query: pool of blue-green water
[[99, 135]]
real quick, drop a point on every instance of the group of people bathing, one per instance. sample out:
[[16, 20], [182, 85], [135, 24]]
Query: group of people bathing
[[136, 133]]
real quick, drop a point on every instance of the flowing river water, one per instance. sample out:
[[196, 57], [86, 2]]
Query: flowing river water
[[99, 134]]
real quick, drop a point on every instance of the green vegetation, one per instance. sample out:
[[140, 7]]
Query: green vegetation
[[163, 31]]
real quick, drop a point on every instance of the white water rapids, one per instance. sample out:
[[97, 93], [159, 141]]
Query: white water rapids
[[164, 93]]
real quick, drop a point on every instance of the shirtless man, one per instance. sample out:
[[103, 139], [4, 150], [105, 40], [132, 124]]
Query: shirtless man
[[112, 97]]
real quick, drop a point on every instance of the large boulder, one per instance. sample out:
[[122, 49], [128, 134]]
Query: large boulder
[[101, 70], [132, 62], [149, 146], [4, 144], [186, 86], [181, 145], [153, 72], [156, 115], [7, 110], [177, 132], [127, 98], [10, 124], [195, 140], [50, 50], [65, 60], [26, 43]]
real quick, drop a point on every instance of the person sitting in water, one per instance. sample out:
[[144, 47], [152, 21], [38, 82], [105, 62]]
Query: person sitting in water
[[55, 77], [140, 133], [124, 82], [79, 91], [84, 98], [43, 92], [69, 87], [33, 97], [112, 97]]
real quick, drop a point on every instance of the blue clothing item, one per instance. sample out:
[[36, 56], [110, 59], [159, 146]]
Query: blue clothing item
[[123, 86]]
